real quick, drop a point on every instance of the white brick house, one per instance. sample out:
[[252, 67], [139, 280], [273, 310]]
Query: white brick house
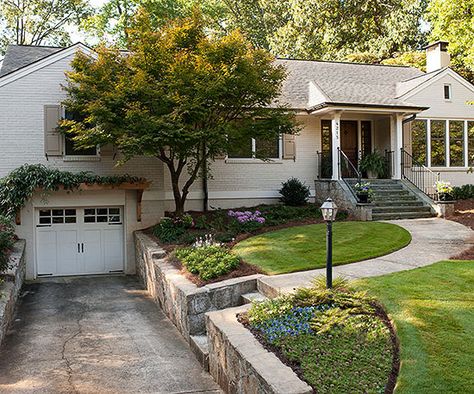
[[344, 107]]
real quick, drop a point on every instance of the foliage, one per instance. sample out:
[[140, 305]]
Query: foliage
[[364, 188], [463, 192], [7, 239], [281, 214], [444, 190], [39, 22], [415, 59], [294, 192], [181, 95], [208, 262], [334, 335], [331, 30], [304, 247], [245, 221], [432, 310], [171, 230], [18, 186], [374, 162], [453, 21]]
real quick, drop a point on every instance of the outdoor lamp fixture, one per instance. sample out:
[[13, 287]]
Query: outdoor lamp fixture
[[329, 211]]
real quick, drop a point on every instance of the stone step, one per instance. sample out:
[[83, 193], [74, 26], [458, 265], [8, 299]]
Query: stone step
[[396, 209], [401, 215], [395, 203], [251, 297], [385, 192], [200, 347], [403, 197]]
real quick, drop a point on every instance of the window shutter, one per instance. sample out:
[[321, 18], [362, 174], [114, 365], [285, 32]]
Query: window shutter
[[53, 139], [289, 149], [108, 150]]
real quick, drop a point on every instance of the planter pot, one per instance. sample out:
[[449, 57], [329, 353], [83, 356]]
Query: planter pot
[[363, 198], [372, 174], [445, 197]]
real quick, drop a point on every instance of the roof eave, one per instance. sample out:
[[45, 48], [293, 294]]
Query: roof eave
[[361, 105]]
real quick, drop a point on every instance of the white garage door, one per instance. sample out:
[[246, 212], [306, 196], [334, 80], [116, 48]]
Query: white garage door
[[79, 241]]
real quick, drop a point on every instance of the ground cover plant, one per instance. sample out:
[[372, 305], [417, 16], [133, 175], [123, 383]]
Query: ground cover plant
[[338, 341], [431, 308], [304, 247]]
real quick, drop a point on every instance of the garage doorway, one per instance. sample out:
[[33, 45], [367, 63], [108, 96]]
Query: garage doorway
[[79, 241]]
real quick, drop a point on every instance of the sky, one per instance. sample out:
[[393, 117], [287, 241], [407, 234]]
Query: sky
[[76, 35]]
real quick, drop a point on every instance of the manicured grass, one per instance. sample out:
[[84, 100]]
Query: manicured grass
[[433, 310], [304, 247]]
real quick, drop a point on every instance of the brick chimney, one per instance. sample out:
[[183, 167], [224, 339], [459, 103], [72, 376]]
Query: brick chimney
[[437, 56]]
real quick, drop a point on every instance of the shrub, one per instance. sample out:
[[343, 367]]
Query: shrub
[[208, 262], [7, 239], [245, 221], [375, 163], [463, 192], [171, 230], [281, 214], [294, 192]]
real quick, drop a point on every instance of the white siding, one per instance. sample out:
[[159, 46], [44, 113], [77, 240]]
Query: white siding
[[433, 96]]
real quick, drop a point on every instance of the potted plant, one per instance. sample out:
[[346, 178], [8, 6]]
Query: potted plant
[[364, 192], [444, 190], [374, 165]]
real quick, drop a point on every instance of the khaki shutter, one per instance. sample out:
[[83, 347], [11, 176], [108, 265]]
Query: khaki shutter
[[108, 150], [289, 148], [53, 139]]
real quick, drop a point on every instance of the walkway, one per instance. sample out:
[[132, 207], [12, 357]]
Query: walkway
[[96, 335], [432, 240]]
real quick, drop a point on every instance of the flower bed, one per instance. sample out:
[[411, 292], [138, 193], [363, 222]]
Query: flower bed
[[338, 341], [201, 242]]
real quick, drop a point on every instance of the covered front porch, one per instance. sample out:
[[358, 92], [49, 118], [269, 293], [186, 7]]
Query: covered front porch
[[350, 134]]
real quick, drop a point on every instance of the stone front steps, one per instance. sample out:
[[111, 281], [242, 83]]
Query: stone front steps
[[392, 201]]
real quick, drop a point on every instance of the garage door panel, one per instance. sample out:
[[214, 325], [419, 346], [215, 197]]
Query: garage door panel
[[113, 248], [46, 251], [92, 256], [67, 252]]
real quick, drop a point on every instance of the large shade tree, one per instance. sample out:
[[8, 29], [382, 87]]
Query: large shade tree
[[39, 22], [180, 95]]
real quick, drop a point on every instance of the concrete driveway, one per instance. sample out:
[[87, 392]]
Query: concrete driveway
[[96, 335]]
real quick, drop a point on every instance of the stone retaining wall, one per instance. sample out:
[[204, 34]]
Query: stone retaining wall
[[181, 300], [240, 364], [10, 288]]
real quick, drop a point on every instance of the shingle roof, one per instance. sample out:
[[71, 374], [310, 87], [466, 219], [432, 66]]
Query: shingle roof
[[348, 83], [18, 56], [340, 83]]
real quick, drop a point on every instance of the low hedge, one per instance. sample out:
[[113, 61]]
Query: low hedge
[[463, 192], [208, 262]]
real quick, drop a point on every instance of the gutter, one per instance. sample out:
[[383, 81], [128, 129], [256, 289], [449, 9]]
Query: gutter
[[332, 104]]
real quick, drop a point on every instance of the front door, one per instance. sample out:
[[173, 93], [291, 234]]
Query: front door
[[349, 140]]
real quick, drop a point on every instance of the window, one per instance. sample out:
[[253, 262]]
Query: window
[[69, 145], [447, 92], [326, 148], [102, 215], [255, 148], [438, 143], [456, 143], [418, 137], [57, 216], [470, 139]]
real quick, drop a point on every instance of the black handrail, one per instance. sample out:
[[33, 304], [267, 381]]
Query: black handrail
[[419, 175], [352, 172]]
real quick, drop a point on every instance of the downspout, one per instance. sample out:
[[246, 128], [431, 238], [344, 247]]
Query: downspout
[[410, 119], [205, 191]]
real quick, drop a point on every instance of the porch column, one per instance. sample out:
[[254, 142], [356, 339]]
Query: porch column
[[396, 142], [336, 144]]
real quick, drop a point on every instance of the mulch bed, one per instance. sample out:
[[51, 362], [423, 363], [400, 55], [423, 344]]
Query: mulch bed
[[464, 214], [295, 366]]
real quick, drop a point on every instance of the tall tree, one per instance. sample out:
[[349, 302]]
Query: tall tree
[[112, 21], [37, 22], [180, 95], [453, 21]]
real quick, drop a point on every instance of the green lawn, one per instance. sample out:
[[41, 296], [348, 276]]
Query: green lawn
[[304, 247], [433, 310]]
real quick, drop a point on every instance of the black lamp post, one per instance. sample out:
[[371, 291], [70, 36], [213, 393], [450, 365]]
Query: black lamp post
[[329, 211]]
